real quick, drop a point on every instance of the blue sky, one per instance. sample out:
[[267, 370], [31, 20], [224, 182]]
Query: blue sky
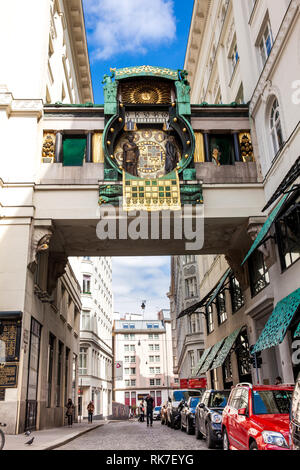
[[123, 33]]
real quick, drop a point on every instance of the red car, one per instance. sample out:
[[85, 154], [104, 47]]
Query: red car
[[256, 417]]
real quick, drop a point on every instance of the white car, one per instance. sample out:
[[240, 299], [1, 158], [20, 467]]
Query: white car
[[156, 412]]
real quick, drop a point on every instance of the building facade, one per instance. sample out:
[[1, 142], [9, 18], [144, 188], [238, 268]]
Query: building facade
[[187, 332], [46, 60], [143, 348], [95, 358], [240, 52]]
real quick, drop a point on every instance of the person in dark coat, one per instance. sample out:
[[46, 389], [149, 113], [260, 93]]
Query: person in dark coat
[[150, 406], [69, 413]]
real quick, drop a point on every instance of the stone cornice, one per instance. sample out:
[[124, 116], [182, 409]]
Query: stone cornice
[[74, 17], [282, 37], [22, 107]]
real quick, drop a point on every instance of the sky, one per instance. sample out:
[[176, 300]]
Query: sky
[[123, 33]]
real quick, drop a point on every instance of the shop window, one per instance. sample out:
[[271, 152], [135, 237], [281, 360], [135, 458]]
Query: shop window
[[243, 357], [259, 276], [221, 149], [74, 150], [288, 234], [236, 294]]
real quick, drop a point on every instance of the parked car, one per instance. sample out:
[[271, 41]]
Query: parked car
[[175, 399], [188, 415], [163, 413], [256, 417], [295, 418], [208, 416], [156, 412]]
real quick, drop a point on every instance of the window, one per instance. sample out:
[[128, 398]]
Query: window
[[157, 358], [59, 371], [156, 325], [74, 150], [221, 308], [233, 56], [125, 325], [275, 127], [127, 383], [133, 383], [151, 370], [50, 367], [259, 276], [126, 370], [85, 320], [156, 347], [151, 382], [126, 358], [192, 360], [132, 359], [151, 358], [157, 370], [83, 361], [127, 398], [266, 43], [190, 287], [157, 381], [288, 234], [86, 284], [151, 347], [132, 347], [126, 347], [188, 259], [132, 371], [210, 319], [237, 299], [132, 326], [149, 325], [272, 402], [158, 398]]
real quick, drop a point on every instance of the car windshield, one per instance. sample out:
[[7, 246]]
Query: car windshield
[[218, 399], [185, 394], [194, 402], [268, 402]]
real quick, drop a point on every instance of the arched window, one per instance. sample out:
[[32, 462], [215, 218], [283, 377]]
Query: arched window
[[275, 126]]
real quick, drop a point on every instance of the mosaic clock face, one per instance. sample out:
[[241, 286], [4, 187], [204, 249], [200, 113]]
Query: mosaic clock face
[[158, 152]]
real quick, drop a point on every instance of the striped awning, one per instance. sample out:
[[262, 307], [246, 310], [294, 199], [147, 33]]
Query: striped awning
[[266, 227], [225, 350], [218, 288], [278, 323], [201, 361], [211, 356]]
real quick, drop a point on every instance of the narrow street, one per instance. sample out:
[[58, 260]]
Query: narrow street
[[133, 435]]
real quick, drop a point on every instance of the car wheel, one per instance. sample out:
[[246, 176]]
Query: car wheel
[[226, 444], [253, 446], [198, 434], [209, 439], [188, 427]]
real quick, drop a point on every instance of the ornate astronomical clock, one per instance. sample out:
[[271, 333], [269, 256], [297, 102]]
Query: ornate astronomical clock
[[148, 141]]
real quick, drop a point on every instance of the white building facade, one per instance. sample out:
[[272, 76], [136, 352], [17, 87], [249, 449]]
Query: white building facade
[[248, 52], [144, 350], [95, 357]]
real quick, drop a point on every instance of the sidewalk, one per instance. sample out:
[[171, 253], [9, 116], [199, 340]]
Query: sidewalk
[[49, 439]]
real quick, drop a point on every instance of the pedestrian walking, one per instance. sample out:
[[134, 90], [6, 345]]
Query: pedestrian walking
[[150, 406], [90, 409], [142, 412], [69, 413]]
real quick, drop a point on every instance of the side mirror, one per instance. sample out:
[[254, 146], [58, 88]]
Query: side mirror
[[242, 411]]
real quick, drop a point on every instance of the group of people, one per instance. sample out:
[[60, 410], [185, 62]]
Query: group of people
[[70, 411], [147, 405]]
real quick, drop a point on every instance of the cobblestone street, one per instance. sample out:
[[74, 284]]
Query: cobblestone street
[[133, 435]]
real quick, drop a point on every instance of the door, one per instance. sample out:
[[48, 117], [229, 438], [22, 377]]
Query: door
[[33, 374], [232, 418], [242, 422]]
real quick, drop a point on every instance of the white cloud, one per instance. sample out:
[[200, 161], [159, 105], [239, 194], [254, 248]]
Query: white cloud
[[141, 278], [128, 26]]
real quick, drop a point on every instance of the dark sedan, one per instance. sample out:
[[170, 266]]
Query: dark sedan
[[208, 416], [188, 415]]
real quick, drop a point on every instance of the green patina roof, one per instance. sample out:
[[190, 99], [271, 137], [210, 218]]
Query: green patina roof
[[145, 70], [297, 332], [266, 227], [278, 323]]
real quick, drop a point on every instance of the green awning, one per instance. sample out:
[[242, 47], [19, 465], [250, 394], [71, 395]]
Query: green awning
[[219, 287], [74, 150], [201, 361], [297, 332], [225, 350], [278, 323], [211, 356], [266, 227]]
